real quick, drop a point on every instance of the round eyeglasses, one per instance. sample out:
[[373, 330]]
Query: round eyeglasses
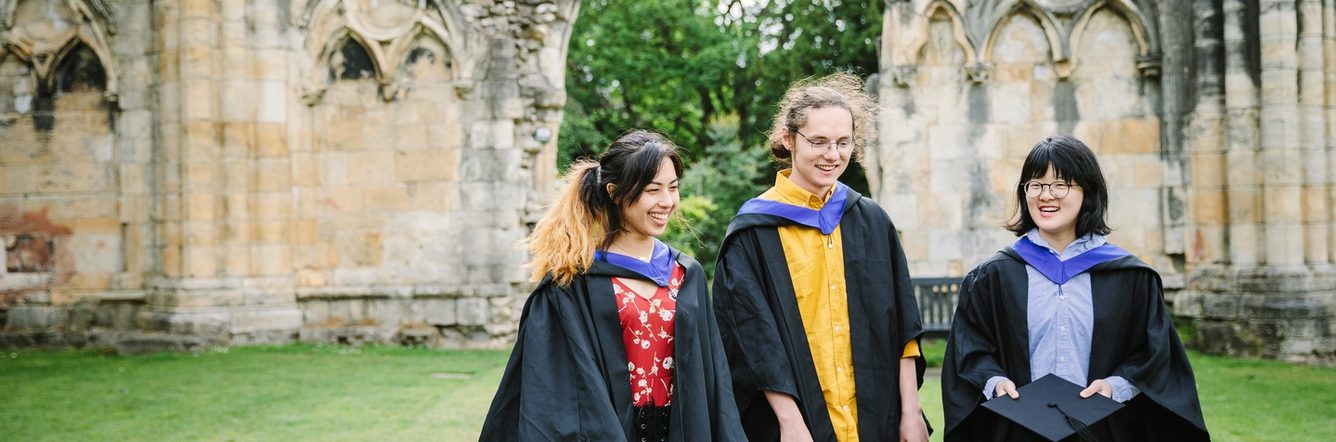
[[822, 145], [1058, 190]]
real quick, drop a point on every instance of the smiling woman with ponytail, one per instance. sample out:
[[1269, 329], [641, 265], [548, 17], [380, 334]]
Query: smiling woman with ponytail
[[618, 340]]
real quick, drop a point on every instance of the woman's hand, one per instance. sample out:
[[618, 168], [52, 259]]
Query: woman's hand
[[1008, 388], [1098, 386], [913, 428]]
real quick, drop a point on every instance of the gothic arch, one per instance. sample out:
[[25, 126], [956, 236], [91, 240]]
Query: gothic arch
[[92, 26], [413, 49], [95, 9], [1148, 52], [60, 57], [914, 49], [338, 41], [1059, 52], [330, 22]]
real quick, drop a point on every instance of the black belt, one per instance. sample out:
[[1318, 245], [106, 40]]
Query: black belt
[[651, 424]]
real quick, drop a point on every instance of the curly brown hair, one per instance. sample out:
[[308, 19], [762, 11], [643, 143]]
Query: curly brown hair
[[843, 90]]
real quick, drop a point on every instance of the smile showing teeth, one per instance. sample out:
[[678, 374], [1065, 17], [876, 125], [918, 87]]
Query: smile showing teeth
[[1048, 209], [659, 216], [827, 167]]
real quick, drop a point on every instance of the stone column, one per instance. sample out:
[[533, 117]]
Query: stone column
[[1204, 143], [1241, 104], [188, 173], [1329, 113], [1167, 90], [1272, 297], [1312, 134], [256, 101], [207, 199], [1281, 159], [135, 146], [235, 136], [1329, 118]]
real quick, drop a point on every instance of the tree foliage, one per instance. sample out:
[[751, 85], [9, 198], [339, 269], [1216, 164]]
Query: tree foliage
[[706, 73], [656, 65]]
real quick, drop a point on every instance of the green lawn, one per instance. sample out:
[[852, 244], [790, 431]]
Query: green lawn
[[250, 393], [383, 394]]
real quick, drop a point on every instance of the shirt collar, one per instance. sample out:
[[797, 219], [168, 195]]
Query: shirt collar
[[1077, 247], [788, 192]]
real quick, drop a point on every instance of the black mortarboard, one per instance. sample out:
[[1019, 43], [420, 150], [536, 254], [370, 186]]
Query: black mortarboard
[[1053, 408]]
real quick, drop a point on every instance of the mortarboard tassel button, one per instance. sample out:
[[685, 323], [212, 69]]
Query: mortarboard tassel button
[[1082, 431]]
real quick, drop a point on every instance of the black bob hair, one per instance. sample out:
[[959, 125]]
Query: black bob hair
[[1073, 162]]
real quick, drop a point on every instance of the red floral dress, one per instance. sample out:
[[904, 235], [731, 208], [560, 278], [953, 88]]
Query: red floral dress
[[647, 331]]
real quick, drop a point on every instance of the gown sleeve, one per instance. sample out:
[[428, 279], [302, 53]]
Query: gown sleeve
[[552, 388], [910, 320], [1159, 366], [748, 326], [727, 424], [971, 351]]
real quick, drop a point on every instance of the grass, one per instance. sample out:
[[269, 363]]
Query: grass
[[252, 393], [373, 393]]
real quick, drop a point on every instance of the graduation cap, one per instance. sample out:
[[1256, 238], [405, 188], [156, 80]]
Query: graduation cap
[[1054, 408]]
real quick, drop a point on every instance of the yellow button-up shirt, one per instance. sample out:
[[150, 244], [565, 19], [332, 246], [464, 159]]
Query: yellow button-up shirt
[[816, 263]]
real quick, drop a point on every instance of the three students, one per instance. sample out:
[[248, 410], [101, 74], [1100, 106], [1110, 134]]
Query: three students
[[817, 324]]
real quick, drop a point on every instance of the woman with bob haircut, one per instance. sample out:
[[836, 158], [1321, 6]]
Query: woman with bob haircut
[[618, 340], [1062, 300], [812, 287]]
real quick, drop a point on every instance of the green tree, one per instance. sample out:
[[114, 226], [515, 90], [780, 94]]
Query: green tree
[[659, 64], [785, 41], [712, 192], [707, 74]]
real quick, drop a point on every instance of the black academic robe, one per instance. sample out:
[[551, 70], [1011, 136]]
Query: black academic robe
[[1132, 338], [567, 377], [763, 330]]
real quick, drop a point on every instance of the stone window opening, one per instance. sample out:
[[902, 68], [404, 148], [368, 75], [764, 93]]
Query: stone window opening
[[78, 71], [351, 62]]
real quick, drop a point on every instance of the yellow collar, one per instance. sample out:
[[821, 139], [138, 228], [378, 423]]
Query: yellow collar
[[786, 191]]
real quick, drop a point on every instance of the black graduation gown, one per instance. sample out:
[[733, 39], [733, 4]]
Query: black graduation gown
[[567, 377], [1132, 338], [763, 330]]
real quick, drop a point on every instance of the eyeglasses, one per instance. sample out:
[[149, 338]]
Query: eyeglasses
[[822, 145], [1059, 189]]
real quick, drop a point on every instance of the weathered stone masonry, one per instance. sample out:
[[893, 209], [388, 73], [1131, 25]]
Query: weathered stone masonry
[[192, 172], [1214, 122]]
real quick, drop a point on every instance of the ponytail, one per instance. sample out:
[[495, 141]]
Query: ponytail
[[562, 244], [586, 214]]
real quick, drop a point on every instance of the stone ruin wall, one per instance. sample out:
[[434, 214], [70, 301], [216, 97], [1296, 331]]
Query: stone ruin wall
[[197, 172], [1213, 121], [179, 174], [971, 88]]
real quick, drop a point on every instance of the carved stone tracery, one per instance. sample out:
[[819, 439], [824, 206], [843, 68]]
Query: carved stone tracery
[[44, 33], [387, 33], [979, 24]]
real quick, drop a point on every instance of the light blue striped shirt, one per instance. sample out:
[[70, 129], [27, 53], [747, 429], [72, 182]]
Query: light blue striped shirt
[[1061, 319]]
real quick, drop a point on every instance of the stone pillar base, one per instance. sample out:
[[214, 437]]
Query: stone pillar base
[[1269, 312]]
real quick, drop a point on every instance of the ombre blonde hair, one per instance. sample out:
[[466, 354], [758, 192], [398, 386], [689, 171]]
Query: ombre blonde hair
[[842, 90], [586, 215]]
